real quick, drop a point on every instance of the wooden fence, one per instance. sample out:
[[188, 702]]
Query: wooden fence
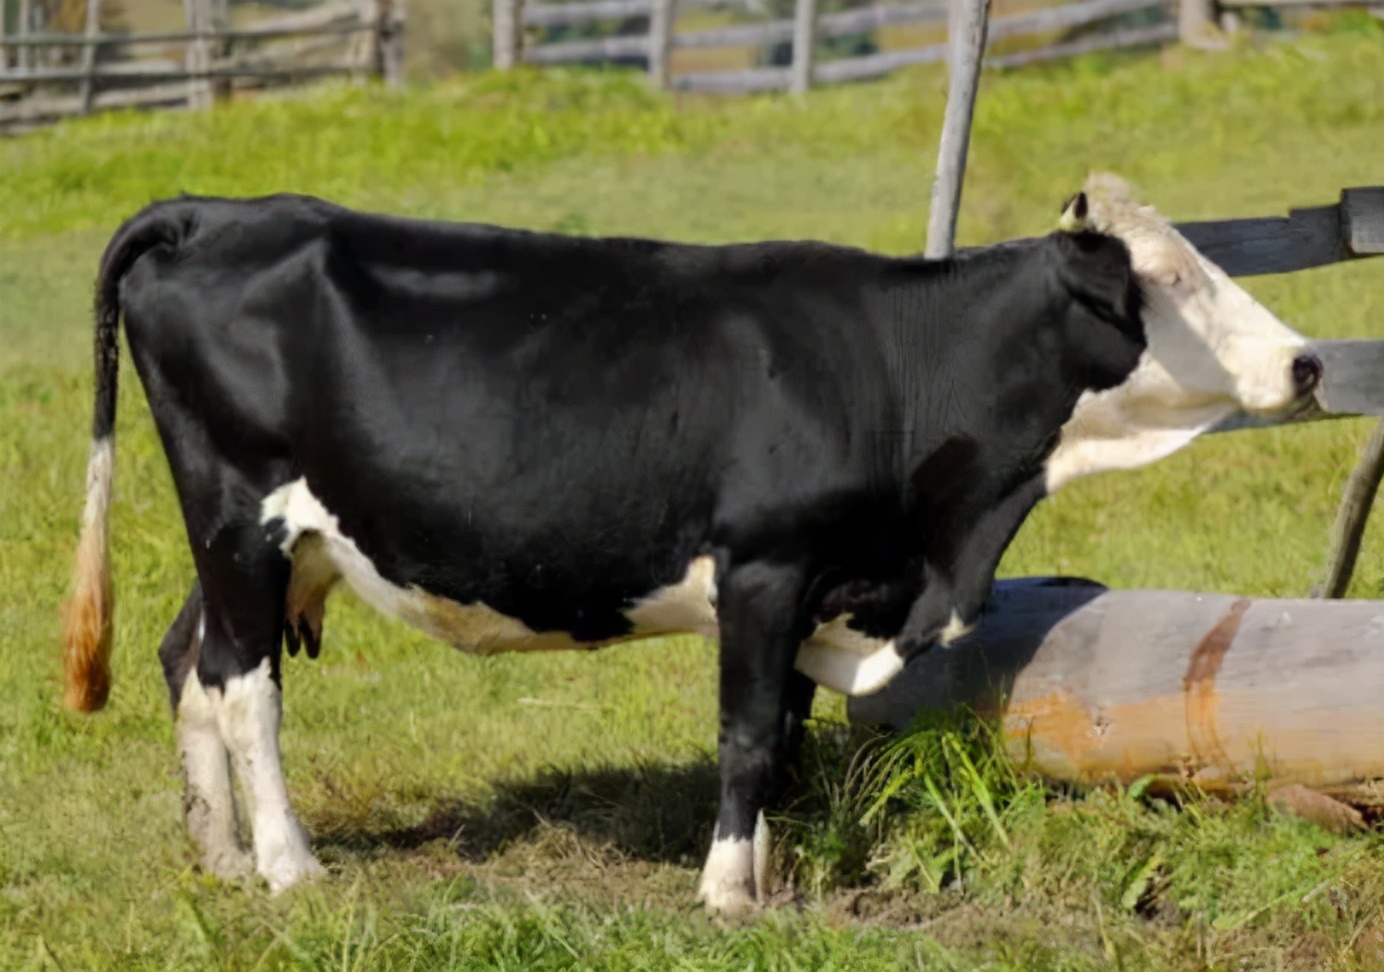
[[45, 76], [512, 17], [514, 20]]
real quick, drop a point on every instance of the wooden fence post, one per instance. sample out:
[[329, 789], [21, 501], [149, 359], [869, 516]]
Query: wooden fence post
[[198, 54], [93, 27], [392, 17], [966, 30], [1354, 512], [26, 16], [660, 43], [508, 33], [1196, 21], [804, 40]]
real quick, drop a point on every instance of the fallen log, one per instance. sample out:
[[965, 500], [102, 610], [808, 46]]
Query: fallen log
[[1091, 685]]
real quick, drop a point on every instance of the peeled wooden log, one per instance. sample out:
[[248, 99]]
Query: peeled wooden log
[[1092, 685]]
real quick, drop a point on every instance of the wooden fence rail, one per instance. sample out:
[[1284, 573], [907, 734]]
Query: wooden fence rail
[[806, 27], [802, 31], [344, 37]]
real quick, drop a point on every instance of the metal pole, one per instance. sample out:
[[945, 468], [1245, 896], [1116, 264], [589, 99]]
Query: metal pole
[[966, 31]]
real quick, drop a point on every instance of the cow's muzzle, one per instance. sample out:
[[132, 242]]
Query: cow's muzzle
[[1307, 373]]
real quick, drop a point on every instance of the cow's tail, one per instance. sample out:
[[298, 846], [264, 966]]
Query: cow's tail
[[88, 614]]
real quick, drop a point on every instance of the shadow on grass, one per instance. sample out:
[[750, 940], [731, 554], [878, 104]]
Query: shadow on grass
[[659, 814]]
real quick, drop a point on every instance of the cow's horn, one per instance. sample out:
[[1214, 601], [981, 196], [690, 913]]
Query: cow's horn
[[1074, 212]]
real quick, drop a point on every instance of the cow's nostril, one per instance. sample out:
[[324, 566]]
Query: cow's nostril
[[1307, 371]]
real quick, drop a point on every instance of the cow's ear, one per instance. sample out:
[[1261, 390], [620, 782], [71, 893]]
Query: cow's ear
[[1103, 314], [1074, 213]]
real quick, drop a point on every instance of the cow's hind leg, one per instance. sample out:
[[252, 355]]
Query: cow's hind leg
[[759, 607], [208, 796], [244, 579], [801, 691]]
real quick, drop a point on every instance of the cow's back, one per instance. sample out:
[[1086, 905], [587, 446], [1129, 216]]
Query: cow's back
[[501, 416]]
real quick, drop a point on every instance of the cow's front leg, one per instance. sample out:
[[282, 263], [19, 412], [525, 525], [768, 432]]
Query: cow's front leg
[[952, 599], [761, 625]]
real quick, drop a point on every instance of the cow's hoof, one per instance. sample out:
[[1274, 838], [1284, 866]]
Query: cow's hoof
[[288, 870], [730, 899], [736, 875], [229, 865]]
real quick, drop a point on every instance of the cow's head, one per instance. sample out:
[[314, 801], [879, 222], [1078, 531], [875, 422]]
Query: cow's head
[[1213, 350]]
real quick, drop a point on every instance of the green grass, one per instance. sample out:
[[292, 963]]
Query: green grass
[[536, 812]]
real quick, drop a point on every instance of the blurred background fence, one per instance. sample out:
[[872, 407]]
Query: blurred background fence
[[67, 57]]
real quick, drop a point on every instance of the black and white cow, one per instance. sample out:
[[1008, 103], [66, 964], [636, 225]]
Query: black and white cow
[[516, 441], [1195, 315]]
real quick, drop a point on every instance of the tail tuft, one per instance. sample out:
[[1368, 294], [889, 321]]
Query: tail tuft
[[88, 615]]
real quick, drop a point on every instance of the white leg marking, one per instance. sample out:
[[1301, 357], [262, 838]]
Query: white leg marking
[[249, 713], [955, 630], [735, 875], [208, 798]]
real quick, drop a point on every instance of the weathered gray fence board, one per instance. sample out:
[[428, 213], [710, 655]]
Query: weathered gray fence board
[[1292, 3], [1353, 376], [164, 71], [564, 14], [1062, 18], [633, 45], [730, 82], [1057, 19], [1305, 238], [1274, 244], [878, 65], [1362, 220], [343, 17], [31, 111], [1053, 20], [740, 35], [1104, 41], [868, 18]]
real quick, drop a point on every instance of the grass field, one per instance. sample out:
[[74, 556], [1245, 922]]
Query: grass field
[[551, 812]]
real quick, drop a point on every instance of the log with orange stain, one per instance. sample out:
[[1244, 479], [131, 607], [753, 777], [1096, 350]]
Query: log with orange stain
[[1096, 685]]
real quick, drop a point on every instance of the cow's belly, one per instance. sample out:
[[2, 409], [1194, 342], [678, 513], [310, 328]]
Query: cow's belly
[[835, 656], [322, 556]]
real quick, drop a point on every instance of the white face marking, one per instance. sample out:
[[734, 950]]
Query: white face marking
[[248, 714], [322, 554], [1214, 351], [208, 797], [736, 872]]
